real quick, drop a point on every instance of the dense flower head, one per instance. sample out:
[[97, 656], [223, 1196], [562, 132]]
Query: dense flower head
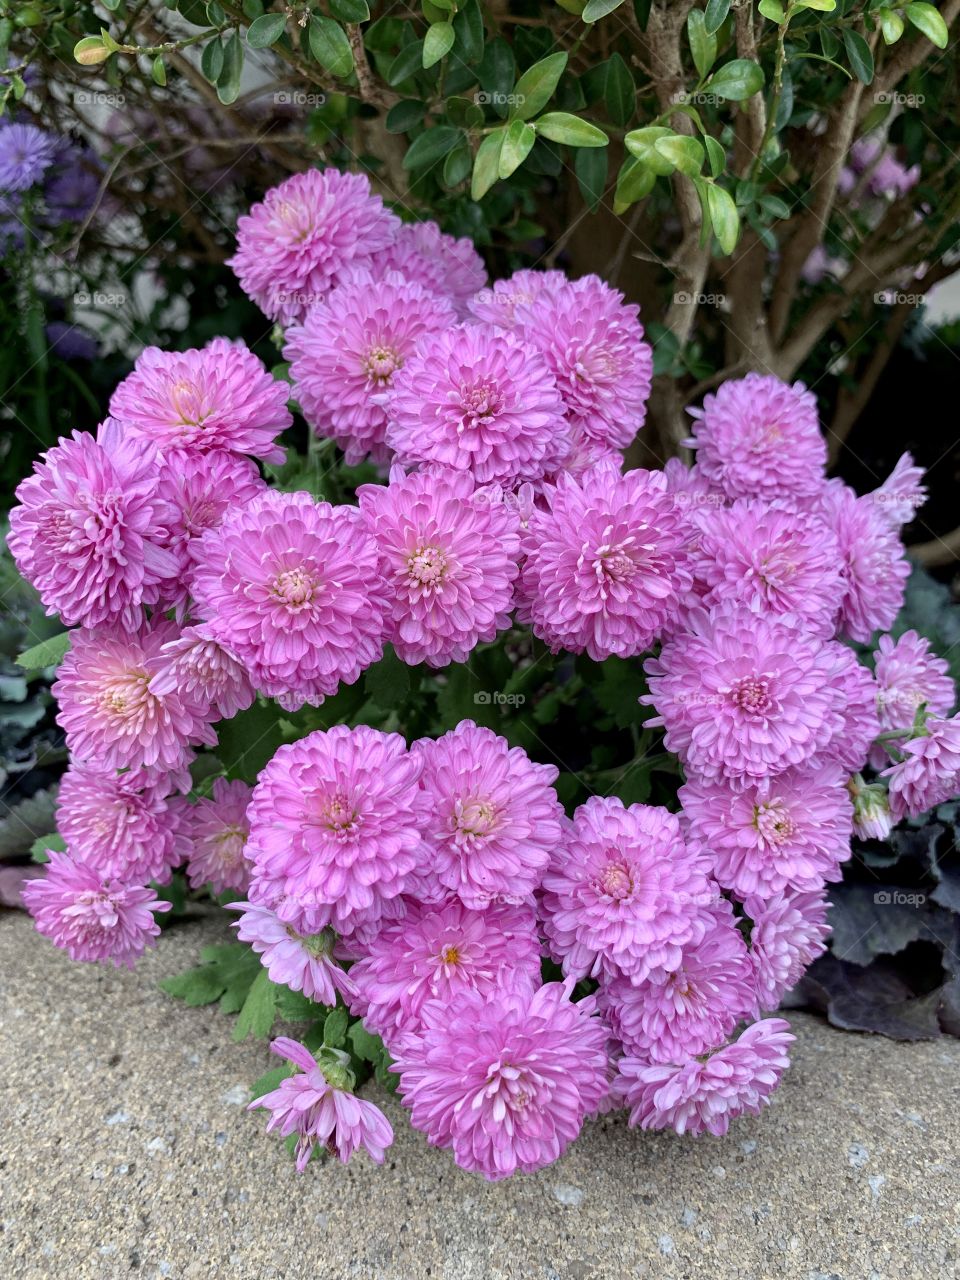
[[291, 588], [197, 667], [855, 720], [606, 565], [108, 711], [743, 694], [344, 355], [89, 916], [624, 893], [215, 831], [302, 962], [26, 153], [908, 677], [787, 832], [498, 305], [292, 246], [902, 494], [504, 1079], [446, 266], [478, 399], [703, 1096], [90, 530], [436, 951], [121, 824], [788, 933], [493, 817], [318, 1105], [335, 825], [757, 437], [593, 344], [218, 397], [71, 187], [687, 1008], [929, 772], [449, 556]]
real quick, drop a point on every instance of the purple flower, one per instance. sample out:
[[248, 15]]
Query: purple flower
[[196, 667], [498, 306], [855, 720], [902, 494], [908, 677], [788, 934], [26, 153], [215, 832], [446, 266], [929, 773], [302, 962], [873, 562], [71, 341]]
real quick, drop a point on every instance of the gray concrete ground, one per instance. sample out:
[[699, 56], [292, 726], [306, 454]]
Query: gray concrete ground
[[126, 1151]]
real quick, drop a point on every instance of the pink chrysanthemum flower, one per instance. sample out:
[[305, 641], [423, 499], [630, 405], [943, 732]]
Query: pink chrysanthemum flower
[[219, 397], [91, 529], [690, 486], [449, 557], [855, 720], [199, 668], [902, 494], [504, 1080], [929, 773], [335, 824], [493, 817], [704, 1096], [444, 265], [215, 832], [318, 1105], [121, 824], [624, 893], [789, 932], [292, 247], [480, 400], [606, 566], [108, 711], [291, 588], [872, 819], [498, 306], [89, 917], [689, 1008], [788, 832], [593, 345], [873, 562], [345, 354], [757, 437], [743, 695], [909, 676], [780, 560], [436, 951], [302, 962]]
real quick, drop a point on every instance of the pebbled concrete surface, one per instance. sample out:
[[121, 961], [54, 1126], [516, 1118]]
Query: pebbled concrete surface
[[125, 1150]]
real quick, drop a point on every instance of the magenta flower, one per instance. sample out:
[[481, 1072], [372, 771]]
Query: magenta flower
[[292, 247], [121, 824], [345, 354], [855, 719], [757, 437], [743, 695], [902, 494], [593, 344], [504, 1080], [91, 530], [908, 677], [624, 893], [435, 952], [873, 561], [219, 397], [215, 832], [449, 557], [480, 400], [318, 1105], [196, 667], [302, 962], [107, 709], [290, 587], [704, 1096], [335, 825], [872, 819], [498, 306], [788, 933], [787, 832], [492, 816], [929, 773], [444, 265], [688, 1008], [89, 917], [605, 567]]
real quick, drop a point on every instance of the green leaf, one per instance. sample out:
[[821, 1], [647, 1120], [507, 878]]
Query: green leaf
[[266, 30], [90, 51], [468, 26], [773, 10], [388, 681], [405, 115], [776, 207], [517, 142], [431, 146], [228, 81], [926, 18], [437, 43], [535, 87], [724, 216], [703, 44], [619, 91], [259, 1009], [716, 155], [736, 80], [891, 24], [335, 1028], [367, 1047], [634, 181], [822, 6], [860, 55], [594, 10], [43, 846], [158, 72], [560, 126], [406, 64], [195, 987], [486, 164], [715, 15], [350, 10], [496, 74], [330, 46], [211, 60], [48, 653], [457, 166], [590, 167], [642, 144], [294, 1006], [685, 154]]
